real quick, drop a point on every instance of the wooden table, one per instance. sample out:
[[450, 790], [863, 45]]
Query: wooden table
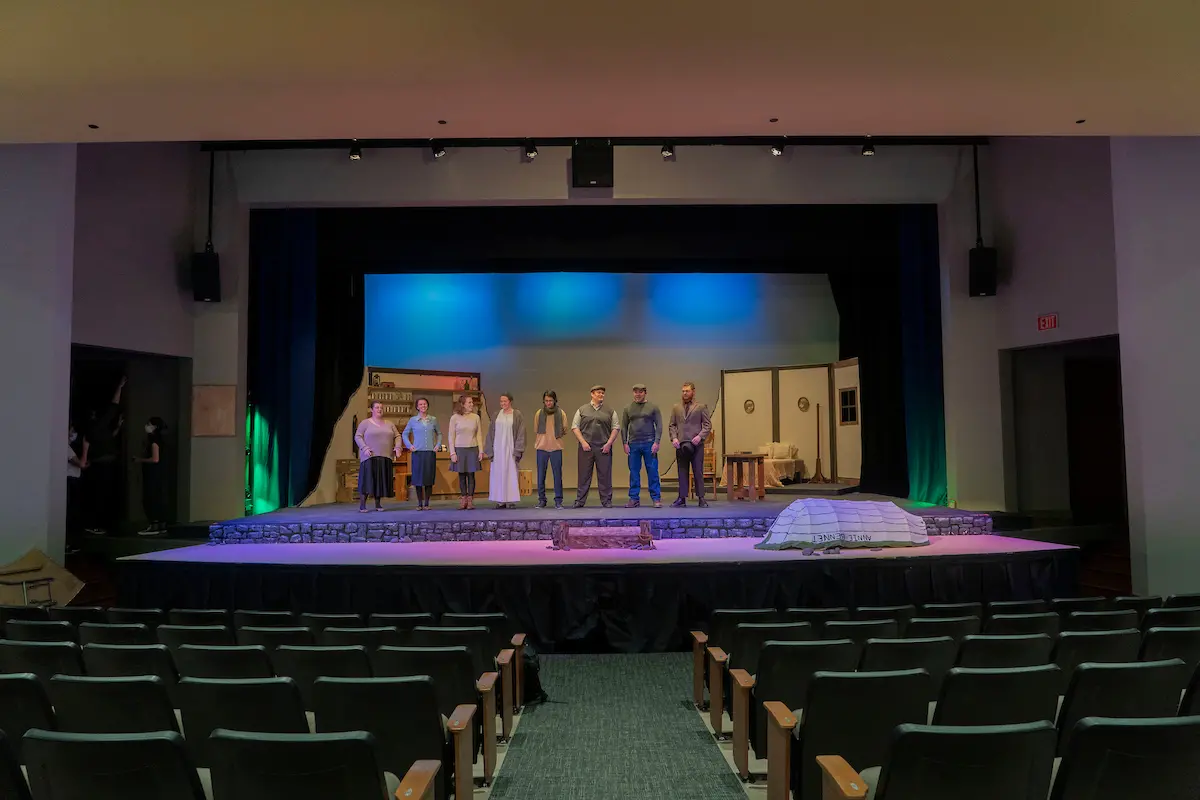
[[738, 490]]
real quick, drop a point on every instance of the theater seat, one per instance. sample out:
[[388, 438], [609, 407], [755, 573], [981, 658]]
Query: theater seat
[[23, 706], [926, 762], [305, 664], [1145, 689], [12, 780], [131, 766], [111, 705], [269, 705], [213, 661], [1116, 759], [256, 766]]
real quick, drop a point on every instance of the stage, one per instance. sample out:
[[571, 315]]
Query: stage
[[593, 600], [400, 522]]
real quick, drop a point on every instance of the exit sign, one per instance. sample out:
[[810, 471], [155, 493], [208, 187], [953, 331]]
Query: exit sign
[[1047, 322]]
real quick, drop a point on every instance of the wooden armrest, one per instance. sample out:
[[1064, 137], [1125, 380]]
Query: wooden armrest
[[718, 655], [839, 781], [505, 658], [418, 782], [518, 640], [780, 714], [700, 637], [518, 698], [743, 679], [460, 720], [487, 682]]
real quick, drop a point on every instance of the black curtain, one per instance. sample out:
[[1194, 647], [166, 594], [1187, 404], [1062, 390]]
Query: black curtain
[[339, 350], [866, 290], [281, 370]]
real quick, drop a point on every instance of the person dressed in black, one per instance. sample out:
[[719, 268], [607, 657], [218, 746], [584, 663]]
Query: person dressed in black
[[101, 448], [154, 481]]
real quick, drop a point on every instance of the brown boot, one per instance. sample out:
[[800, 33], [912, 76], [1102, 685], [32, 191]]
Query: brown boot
[[462, 502], [470, 503]]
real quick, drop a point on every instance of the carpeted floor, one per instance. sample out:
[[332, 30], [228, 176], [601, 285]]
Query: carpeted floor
[[615, 726]]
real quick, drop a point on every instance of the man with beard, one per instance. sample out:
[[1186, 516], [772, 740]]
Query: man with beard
[[690, 426]]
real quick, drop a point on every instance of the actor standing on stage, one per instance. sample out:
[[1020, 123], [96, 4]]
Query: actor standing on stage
[[505, 445], [690, 426], [641, 431], [423, 437], [377, 440], [466, 447], [596, 428], [550, 426]]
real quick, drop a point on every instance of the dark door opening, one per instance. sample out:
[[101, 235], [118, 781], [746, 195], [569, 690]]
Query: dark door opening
[[1095, 440]]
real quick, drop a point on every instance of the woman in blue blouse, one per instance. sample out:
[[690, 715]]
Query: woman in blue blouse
[[422, 436]]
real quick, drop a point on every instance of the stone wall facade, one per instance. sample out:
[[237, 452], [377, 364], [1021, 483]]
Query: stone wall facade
[[246, 532]]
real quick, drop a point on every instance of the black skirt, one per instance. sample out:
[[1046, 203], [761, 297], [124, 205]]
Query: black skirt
[[375, 477], [424, 467]]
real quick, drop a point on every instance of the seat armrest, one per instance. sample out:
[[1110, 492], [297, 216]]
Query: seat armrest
[[700, 638], [419, 782], [699, 641], [461, 727], [487, 682], [505, 662], [743, 679], [839, 781], [718, 655], [486, 686], [518, 643], [460, 720], [780, 715]]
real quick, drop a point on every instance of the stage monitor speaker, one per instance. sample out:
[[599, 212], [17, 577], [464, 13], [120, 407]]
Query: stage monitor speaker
[[592, 166], [982, 279], [206, 277]]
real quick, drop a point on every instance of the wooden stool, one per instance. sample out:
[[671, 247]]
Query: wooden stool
[[739, 489]]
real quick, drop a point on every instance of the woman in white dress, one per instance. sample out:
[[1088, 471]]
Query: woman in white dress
[[505, 445]]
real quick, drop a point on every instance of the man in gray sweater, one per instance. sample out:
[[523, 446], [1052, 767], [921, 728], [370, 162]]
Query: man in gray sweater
[[641, 431]]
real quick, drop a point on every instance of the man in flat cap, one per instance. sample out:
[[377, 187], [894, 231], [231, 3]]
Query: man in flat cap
[[641, 431], [596, 428]]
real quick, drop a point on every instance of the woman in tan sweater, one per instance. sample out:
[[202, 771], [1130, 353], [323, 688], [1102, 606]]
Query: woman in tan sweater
[[466, 449], [377, 440]]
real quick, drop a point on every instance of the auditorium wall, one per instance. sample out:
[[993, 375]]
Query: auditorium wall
[[134, 216], [1054, 229], [1156, 199], [937, 175], [37, 222]]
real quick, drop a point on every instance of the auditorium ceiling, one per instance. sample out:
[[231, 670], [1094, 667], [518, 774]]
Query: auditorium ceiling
[[295, 69]]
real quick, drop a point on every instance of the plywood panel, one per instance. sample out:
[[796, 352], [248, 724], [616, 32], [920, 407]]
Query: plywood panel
[[214, 411], [748, 430], [849, 437], [800, 427]]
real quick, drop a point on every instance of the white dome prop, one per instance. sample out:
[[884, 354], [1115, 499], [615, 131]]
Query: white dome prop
[[817, 523]]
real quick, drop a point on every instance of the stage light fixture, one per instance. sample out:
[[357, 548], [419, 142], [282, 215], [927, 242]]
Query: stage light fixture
[[530, 150], [777, 149], [438, 150], [355, 151], [868, 148], [668, 150]]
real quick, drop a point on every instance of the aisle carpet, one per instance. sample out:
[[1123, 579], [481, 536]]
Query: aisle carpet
[[615, 726]]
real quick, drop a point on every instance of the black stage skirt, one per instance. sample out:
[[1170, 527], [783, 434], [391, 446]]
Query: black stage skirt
[[375, 477], [424, 467]]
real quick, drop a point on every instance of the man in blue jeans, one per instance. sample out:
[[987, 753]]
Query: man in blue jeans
[[641, 431]]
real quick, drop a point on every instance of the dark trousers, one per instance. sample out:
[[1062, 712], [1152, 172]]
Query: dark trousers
[[552, 459], [154, 493], [100, 490], [603, 464], [637, 454], [691, 456]]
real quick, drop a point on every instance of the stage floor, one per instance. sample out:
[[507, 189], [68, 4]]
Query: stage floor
[[523, 554]]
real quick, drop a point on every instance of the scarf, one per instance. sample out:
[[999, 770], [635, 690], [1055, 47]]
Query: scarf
[[559, 429]]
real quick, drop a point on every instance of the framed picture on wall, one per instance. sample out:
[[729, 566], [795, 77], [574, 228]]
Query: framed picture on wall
[[214, 411]]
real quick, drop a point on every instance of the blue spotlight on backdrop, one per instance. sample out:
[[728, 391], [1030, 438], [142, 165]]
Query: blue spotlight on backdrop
[[428, 317], [709, 300], [569, 305]]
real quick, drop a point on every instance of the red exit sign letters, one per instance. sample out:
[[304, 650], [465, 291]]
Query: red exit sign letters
[[1047, 322]]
